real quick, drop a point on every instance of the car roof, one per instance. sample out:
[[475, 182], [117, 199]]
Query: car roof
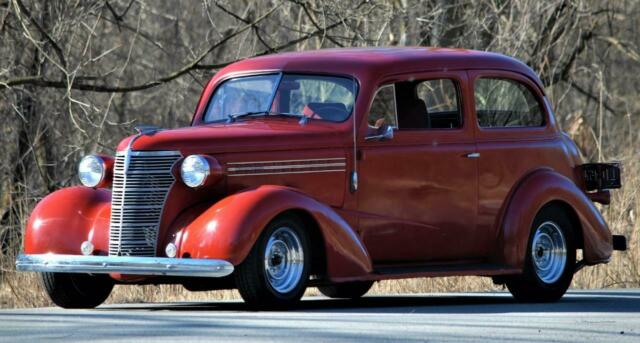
[[377, 62]]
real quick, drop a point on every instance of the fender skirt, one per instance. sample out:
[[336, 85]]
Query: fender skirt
[[229, 228], [536, 190]]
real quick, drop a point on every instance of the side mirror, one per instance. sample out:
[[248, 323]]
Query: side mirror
[[385, 132]]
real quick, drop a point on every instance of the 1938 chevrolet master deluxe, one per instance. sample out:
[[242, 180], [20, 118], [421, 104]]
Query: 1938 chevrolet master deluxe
[[335, 169]]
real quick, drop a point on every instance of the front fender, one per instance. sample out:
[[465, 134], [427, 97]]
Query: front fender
[[229, 228], [64, 219], [538, 189]]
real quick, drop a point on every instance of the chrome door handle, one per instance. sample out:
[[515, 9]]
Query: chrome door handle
[[472, 155]]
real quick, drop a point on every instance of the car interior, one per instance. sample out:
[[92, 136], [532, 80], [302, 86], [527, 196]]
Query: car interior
[[332, 111], [431, 104], [413, 110]]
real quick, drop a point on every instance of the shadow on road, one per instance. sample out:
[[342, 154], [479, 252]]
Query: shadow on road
[[469, 317], [433, 303]]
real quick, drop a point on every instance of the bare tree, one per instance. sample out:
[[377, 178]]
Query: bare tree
[[76, 76]]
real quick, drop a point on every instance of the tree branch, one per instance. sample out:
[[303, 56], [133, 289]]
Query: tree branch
[[548, 27], [595, 98], [278, 48], [194, 65], [44, 34], [313, 21], [104, 88], [563, 74], [624, 47], [256, 29], [116, 16]]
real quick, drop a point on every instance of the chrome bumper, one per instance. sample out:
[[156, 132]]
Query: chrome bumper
[[124, 265]]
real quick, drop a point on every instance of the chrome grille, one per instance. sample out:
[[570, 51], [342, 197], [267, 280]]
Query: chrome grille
[[141, 181]]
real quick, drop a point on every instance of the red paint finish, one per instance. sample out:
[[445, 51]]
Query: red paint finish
[[107, 180], [537, 189], [215, 232], [66, 218], [420, 201], [418, 191]]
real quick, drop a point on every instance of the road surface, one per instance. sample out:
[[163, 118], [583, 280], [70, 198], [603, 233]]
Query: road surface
[[581, 316]]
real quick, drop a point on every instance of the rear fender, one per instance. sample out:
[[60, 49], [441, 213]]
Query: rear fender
[[65, 218], [228, 230], [535, 191]]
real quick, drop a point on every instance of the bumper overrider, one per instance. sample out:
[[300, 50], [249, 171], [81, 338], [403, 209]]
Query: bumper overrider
[[127, 265]]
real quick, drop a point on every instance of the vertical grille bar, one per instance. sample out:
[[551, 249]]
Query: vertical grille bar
[[141, 181]]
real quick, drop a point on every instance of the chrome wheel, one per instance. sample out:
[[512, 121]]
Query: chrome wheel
[[549, 252], [283, 260]]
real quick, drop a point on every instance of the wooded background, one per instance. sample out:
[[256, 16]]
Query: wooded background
[[76, 76]]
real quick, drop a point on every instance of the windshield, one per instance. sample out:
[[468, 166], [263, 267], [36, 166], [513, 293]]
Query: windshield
[[319, 97]]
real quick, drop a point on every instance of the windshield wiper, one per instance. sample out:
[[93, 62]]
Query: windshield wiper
[[234, 116]]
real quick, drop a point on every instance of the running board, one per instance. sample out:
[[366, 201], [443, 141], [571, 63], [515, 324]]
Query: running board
[[429, 270]]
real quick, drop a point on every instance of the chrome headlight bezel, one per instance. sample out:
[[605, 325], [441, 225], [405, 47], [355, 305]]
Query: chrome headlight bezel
[[195, 170], [87, 176]]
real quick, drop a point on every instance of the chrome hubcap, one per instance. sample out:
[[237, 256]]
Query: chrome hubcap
[[283, 260], [549, 252]]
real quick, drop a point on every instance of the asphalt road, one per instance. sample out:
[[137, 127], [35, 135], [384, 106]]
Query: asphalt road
[[584, 316]]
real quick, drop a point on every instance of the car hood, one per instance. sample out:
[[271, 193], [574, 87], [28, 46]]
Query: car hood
[[250, 135]]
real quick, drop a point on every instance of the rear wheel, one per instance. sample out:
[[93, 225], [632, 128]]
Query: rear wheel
[[276, 271], [550, 259], [76, 290], [347, 290]]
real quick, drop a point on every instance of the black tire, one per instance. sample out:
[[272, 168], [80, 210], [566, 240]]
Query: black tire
[[529, 287], [251, 276], [347, 290], [77, 290]]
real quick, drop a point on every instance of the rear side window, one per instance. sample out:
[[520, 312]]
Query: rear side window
[[506, 103], [441, 100]]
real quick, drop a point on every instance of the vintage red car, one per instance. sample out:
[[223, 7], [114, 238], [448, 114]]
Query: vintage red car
[[335, 169]]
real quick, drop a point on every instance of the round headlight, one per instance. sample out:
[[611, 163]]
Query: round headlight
[[194, 171], [91, 170]]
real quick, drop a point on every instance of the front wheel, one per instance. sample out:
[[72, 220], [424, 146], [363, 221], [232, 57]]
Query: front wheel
[[276, 271], [69, 290], [550, 259]]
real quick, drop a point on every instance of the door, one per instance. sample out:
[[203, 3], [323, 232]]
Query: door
[[514, 137], [417, 193]]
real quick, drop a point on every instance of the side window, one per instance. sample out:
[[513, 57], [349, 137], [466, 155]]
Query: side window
[[319, 97], [383, 108], [441, 101], [506, 103]]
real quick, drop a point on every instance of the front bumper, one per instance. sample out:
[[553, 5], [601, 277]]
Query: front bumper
[[124, 265]]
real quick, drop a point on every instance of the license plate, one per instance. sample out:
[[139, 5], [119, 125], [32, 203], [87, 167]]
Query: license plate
[[599, 176]]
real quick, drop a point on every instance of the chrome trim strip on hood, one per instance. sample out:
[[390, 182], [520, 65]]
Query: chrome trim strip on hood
[[287, 161], [291, 166], [293, 172], [280, 167]]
